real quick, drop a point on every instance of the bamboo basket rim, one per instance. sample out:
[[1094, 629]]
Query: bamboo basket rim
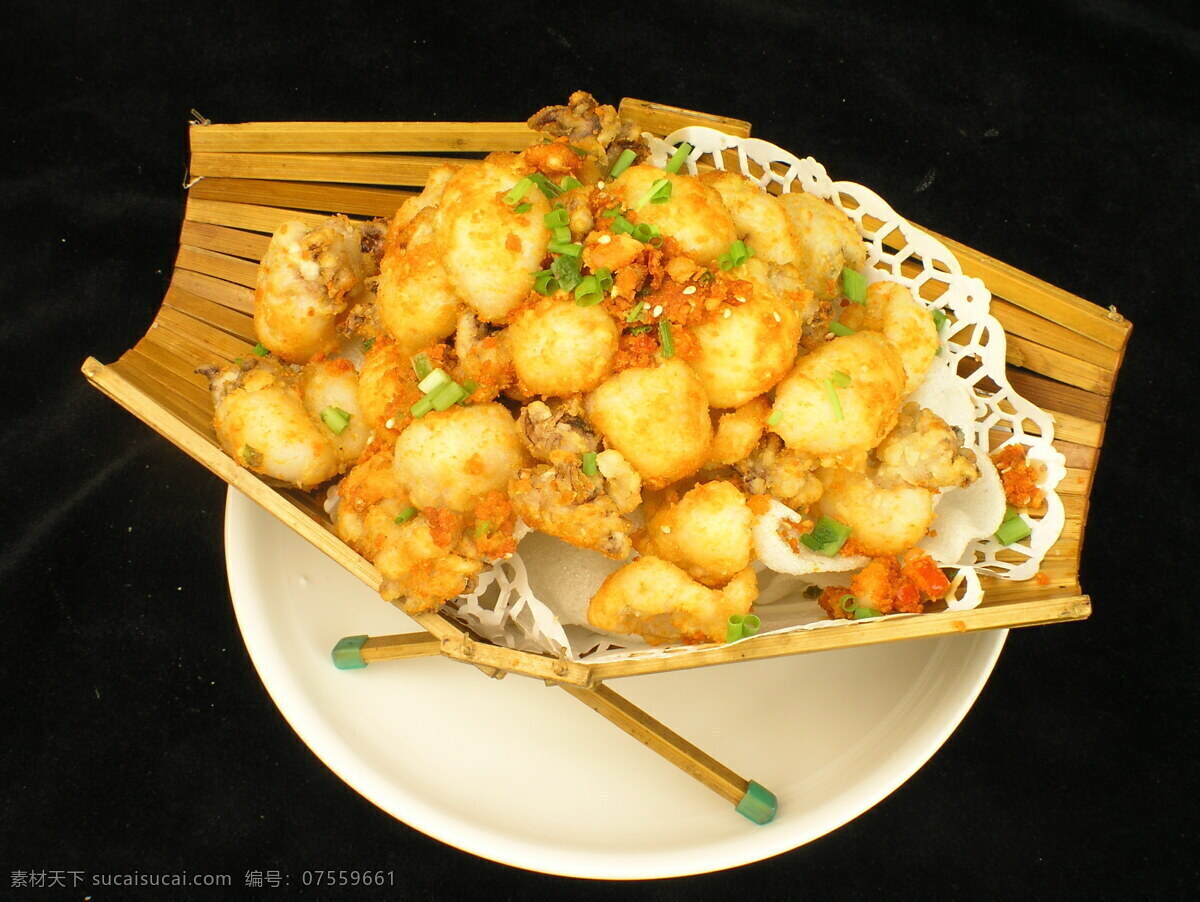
[[244, 179]]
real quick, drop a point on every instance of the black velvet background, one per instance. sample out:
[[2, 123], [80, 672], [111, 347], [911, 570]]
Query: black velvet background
[[136, 734]]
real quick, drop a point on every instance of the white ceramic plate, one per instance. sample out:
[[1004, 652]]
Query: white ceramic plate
[[522, 773]]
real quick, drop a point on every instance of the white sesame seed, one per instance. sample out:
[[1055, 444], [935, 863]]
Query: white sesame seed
[[604, 239], [728, 313], [600, 185], [390, 424], [666, 529], [778, 318], [691, 289], [739, 300], [657, 310]]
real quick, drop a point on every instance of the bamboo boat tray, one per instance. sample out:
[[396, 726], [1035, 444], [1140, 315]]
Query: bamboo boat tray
[[1063, 354]]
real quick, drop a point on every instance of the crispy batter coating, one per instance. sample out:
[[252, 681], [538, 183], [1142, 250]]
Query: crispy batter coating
[[736, 432], [694, 217], [559, 348], [827, 241], [760, 220], [706, 533], [331, 387], [908, 327], [416, 303], [923, 451], [450, 459], [805, 414], [657, 417], [307, 281], [746, 351], [489, 251], [658, 601], [884, 521]]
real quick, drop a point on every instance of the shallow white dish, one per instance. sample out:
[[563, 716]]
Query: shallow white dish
[[522, 773]]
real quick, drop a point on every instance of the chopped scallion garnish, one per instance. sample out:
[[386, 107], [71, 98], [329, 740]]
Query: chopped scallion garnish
[[840, 379], [848, 603], [834, 401], [566, 269], [556, 218], [569, 183], [838, 329], [679, 157], [447, 396], [827, 537], [523, 208], [545, 283], [435, 380], [645, 232], [405, 515], [635, 314], [737, 254], [336, 419], [624, 161], [1013, 529], [939, 318], [604, 274], [854, 285], [664, 337], [775, 417], [368, 343], [588, 293], [589, 466], [482, 528], [741, 626], [659, 193], [260, 351], [546, 186], [421, 365], [565, 247], [519, 190], [866, 613]]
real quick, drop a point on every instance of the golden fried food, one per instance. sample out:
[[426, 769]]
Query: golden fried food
[[329, 390], [892, 311], [658, 601], [416, 302], [827, 241], [694, 217], [758, 217], [307, 281], [560, 348], [706, 533], [840, 400], [489, 251], [657, 417], [884, 521], [736, 432]]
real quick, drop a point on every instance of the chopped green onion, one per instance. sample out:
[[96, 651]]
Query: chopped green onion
[[611, 212], [519, 190], [544, 282], [405, 515], [336, 419], [636, 313], [578, 151], [775, 417], [566, 269], [827, 537], [737, 255], [252, 457], [435, 380], [838, 329], [546, 186], [588, 292], [644, 232], [834, 402], [679, 157], [1013, 529], [939, 318], [840, 379], [368, 343], [750, 624], [482, 528], [741, 626], [523, 208], [260, 351], [854, 285], [556, 218], [469, 386], [664, 336], [447, 396], [866, 613], [848, 603], [570, 182], [604, 274], [659, 193], [589, 466], [565, 247], [421, 365], [422, 407], [640, 330], [624, 161], [620, 224]]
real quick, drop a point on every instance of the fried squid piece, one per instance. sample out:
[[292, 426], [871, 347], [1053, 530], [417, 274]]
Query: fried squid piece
[[658, 601], [582, 121], [706, 533], [922, 450]]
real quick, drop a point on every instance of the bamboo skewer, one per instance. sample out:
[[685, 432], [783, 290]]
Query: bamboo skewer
[[749, 798]]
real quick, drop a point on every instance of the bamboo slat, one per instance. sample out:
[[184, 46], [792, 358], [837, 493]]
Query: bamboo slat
[[249, 245], [355, 169], [321, 197], [360, 137]]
